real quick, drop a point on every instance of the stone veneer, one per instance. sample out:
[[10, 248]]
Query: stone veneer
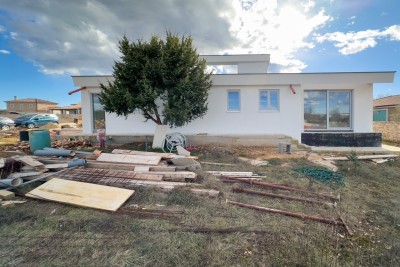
[[390, 130]]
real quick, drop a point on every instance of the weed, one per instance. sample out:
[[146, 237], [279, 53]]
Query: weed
[[353, 158]]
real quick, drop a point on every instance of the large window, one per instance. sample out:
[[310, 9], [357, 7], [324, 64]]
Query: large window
[[233, 100], [99, 121], [269, 100], [327, 110]]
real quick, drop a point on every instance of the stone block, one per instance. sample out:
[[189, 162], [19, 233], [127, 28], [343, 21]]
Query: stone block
[[6, 195]]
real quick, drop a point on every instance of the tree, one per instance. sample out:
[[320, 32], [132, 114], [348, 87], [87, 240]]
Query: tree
[[164, 80]]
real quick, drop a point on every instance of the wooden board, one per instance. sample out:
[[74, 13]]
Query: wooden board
[[363, 157], [142, 168], [133, 159], [31, 162], [82, 194]]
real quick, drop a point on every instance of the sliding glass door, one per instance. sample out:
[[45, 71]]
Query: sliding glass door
[[327, 110]]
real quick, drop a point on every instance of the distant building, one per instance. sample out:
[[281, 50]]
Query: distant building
[[73, 109], [387, 108], [29, 105]]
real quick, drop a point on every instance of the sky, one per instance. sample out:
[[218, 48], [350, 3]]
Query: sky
[[44, 42]]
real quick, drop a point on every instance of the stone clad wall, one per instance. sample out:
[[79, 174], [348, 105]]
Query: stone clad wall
[[390, 130]]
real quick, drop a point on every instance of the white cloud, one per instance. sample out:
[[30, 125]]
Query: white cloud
[[6, 52], [308, 5], [266, 27], [355, 42]]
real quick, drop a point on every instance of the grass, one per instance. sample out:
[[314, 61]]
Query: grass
[[177, 228]]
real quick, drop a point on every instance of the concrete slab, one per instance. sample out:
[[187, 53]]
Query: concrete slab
[[395, 149], [349, 149]]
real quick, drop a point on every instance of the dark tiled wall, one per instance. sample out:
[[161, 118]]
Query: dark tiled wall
[[342, 139]]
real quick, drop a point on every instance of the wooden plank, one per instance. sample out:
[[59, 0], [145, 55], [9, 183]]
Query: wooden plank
[[126, 167], [143, 153], [183, 152], [142, 168], [149, 176], [31, 162], [133, 159], [171, 176], [223, 173], [364, 157], [82, 194]]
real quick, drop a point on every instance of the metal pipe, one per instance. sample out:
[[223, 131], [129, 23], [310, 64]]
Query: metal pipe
[[54, 152], [40, 178], [76, 162], [13, 182], [261, 193], [287, 213], [278, 186]]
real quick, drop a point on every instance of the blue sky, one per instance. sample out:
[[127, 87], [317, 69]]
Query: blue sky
[[43, 43]]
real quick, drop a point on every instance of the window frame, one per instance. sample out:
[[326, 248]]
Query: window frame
[[228, 100], [328, 128], [21, 106], [380, 109], [269, 109]]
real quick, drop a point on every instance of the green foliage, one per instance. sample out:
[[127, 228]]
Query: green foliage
[[164, 80], [353, 158]]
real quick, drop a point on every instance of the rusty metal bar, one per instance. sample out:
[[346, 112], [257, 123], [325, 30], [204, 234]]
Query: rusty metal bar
[[278, 186], [287, 213], [262, 193]]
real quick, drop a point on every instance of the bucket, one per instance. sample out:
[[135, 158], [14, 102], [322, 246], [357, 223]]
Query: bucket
[[39, 139], [23, 136]]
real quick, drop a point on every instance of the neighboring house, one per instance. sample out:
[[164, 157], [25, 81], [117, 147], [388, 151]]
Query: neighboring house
[[73, 109], [29, 105], [333, 109], [387, 108]]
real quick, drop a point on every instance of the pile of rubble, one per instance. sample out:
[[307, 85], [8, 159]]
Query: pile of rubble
[[96, 179]]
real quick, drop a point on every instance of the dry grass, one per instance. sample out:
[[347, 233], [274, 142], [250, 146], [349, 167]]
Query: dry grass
[[177, 228]]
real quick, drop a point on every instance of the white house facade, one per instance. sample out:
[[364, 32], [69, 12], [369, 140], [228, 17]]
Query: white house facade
[[253, 102]]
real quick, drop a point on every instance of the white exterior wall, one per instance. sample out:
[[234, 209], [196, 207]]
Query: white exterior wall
[[219, 121], [289, 120]]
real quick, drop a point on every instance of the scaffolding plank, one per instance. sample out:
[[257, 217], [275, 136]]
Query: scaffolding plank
[[82, 194], [133, 159]]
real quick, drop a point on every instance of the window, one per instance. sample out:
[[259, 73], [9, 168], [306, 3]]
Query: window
[[381, 115], [233, 100], [21, 106], [11, 105], [327, 110], [99, 121], [30, 106], [269, 100]]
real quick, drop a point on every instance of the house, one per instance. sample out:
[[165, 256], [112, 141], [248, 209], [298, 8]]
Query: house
[[330, 109], [73, 109], [29, 105], [387, 108]]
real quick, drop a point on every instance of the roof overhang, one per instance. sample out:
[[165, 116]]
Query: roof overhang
[[269, 79]]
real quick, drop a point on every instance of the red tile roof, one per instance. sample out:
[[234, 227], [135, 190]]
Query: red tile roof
[[387, 101]]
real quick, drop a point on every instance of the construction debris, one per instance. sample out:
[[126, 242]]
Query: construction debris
[[6, 195], [279, 186], [82, 194], [287, 213], [262, 193]]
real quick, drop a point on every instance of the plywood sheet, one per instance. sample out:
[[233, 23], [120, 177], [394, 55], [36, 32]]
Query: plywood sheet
[[82, 194], [133, 159]]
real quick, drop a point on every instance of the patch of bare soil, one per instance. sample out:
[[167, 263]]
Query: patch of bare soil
[[253, 152]]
